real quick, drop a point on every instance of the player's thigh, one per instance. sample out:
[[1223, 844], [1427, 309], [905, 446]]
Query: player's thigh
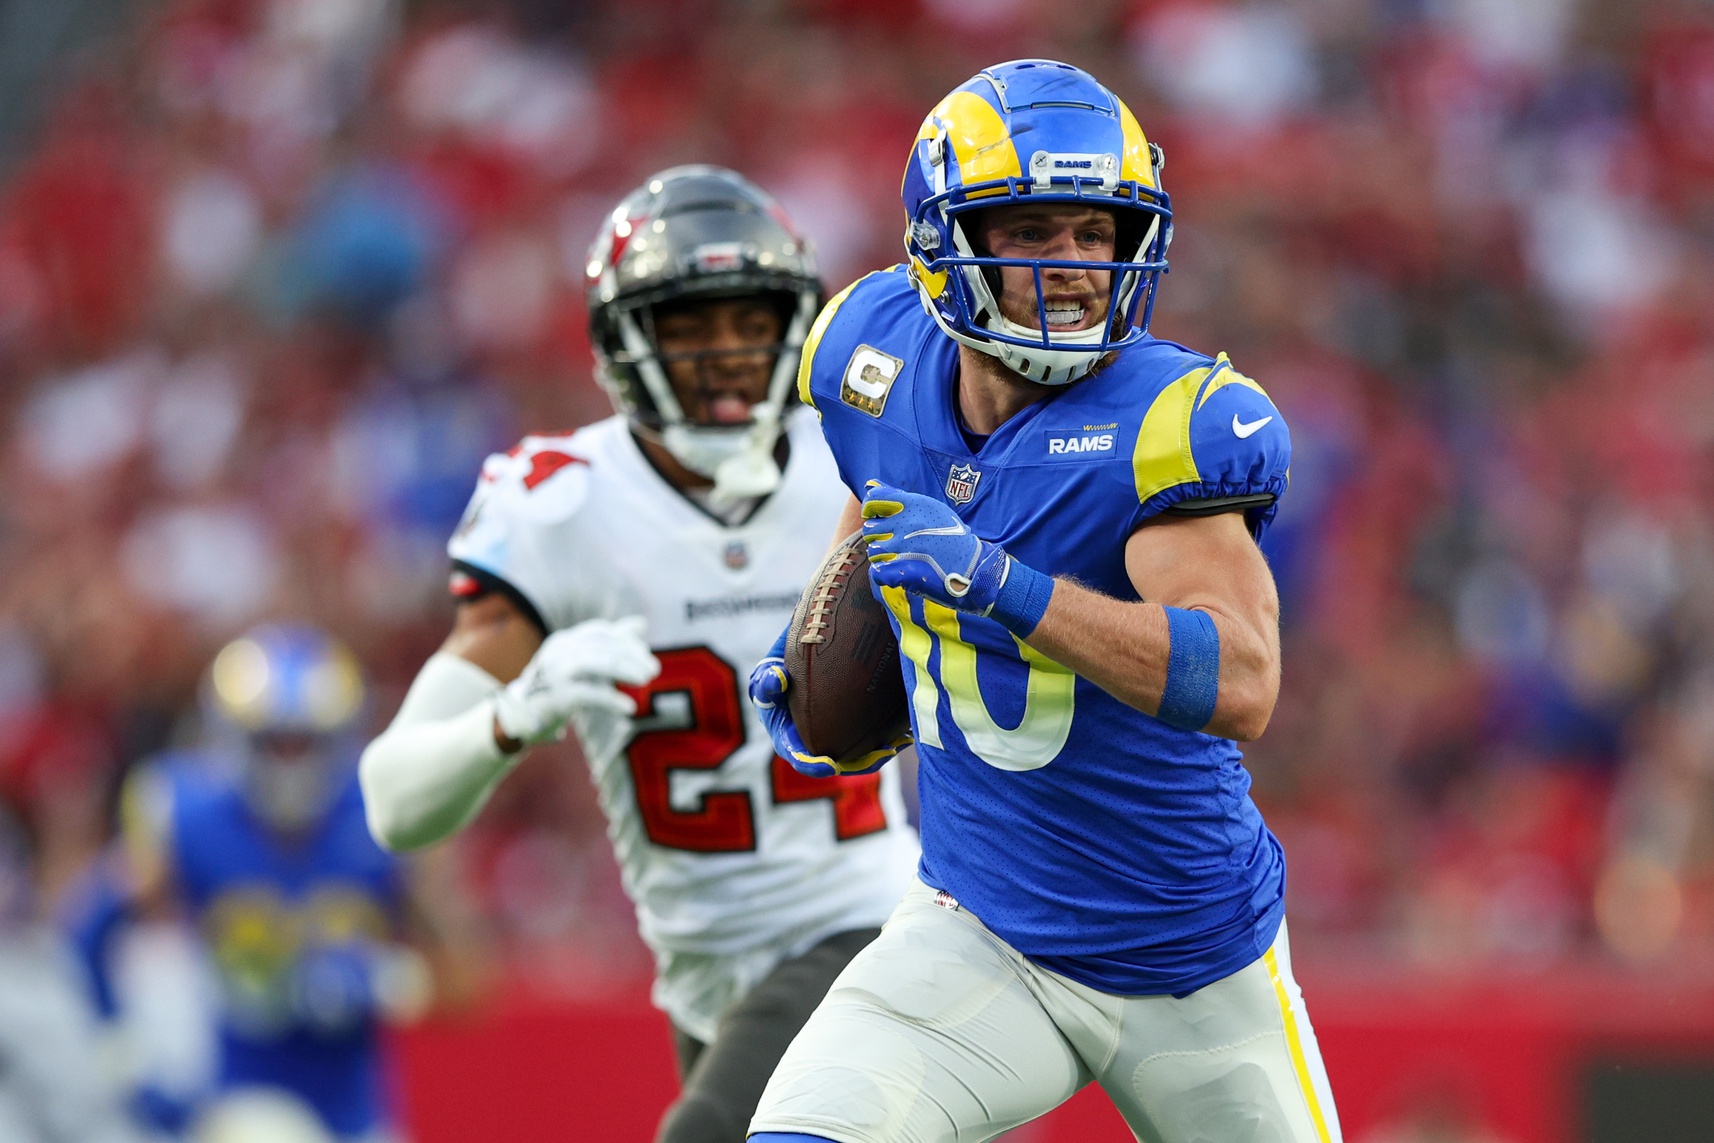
[[1236, 1060], [723, 1083], [930, 1036]]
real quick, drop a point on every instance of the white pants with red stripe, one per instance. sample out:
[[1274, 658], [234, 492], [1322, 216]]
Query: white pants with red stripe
[[941, 1032]]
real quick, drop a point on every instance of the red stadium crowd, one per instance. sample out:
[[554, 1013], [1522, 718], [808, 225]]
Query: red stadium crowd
[[275, 276]]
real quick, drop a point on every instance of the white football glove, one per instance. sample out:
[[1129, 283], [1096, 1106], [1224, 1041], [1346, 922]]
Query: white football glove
[[574, 672]]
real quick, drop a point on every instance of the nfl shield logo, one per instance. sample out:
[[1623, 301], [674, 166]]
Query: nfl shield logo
[[961, 483], [737, 555]]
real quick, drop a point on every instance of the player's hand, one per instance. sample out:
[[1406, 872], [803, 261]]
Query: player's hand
[[573, 673], [768, 686], [918, 543]]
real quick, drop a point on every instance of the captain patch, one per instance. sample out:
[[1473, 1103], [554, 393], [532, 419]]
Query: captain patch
[[869, 378]]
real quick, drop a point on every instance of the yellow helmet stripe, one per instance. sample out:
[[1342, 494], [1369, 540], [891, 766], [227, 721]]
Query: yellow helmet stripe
[[1138, 164], [978, 137]]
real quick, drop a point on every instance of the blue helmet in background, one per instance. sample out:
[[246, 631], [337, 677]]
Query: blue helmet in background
[[286, 700], [1033, 131]]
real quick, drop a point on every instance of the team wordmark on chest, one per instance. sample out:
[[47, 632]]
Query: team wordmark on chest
[[735, 605], [1092, 440]]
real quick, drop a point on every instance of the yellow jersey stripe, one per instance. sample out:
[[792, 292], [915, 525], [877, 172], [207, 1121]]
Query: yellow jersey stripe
[[1228, 376], [916, 644], [813, 341], [1162, 458], [146, 824], [1294, 1043]]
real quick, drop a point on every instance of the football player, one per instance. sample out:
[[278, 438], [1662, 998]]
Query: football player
[[1061, 515], [658, 551], [258, 838]]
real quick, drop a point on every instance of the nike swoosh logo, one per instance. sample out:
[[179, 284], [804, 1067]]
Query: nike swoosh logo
[[1241, 430]]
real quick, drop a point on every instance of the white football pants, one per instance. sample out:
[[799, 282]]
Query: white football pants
[[941, 1032]]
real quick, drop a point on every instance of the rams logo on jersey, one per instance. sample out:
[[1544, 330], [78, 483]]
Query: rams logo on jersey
[[1093, 440]]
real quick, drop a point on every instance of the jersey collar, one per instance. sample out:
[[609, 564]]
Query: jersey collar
[[938, 417]]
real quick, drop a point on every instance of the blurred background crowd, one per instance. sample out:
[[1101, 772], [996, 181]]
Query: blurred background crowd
[[276, 274]]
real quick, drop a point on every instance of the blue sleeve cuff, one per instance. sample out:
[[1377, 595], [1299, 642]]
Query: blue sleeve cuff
[[1022, 600], [778, 650], [1192, 671]]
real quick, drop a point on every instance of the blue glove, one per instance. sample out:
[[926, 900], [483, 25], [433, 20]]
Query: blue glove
[[918, 543], [768, 685]]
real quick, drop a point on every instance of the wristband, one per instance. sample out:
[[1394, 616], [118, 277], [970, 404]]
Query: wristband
[[1192, 669], [1022, 599]]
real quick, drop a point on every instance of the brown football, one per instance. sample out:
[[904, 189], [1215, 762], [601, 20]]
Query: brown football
[[847, 693]]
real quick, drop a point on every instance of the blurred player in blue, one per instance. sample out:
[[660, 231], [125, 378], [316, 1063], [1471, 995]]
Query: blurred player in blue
[[1062, 514], [259, 840]]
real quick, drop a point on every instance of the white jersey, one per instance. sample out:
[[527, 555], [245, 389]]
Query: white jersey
[[734, 860]]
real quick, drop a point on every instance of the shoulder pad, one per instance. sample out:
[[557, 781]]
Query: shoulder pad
[[1211, 434], [515, 525], [550, 473], [539, 481], [867, 307]]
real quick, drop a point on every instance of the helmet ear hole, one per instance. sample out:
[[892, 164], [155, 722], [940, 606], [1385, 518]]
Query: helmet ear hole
[[1133, 232], [977, 244]]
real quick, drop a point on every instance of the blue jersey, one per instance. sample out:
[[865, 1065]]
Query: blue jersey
[[1098, 841], [293, 927]]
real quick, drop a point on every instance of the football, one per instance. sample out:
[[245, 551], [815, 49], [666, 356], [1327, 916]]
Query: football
[[847, 693]]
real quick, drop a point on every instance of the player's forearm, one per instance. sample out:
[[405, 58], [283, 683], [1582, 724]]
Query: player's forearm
[[1125, 648], [435, 767], [850, 519]]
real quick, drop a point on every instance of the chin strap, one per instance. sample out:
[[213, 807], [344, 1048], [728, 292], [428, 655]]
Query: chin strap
[[752, 471]]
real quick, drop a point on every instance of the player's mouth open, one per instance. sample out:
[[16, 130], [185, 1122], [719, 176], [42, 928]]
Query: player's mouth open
[[728, 409], [1065, 315]]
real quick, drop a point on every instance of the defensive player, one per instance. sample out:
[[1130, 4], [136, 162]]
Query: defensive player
[[258, 838], [1061, 514], [698, 513]]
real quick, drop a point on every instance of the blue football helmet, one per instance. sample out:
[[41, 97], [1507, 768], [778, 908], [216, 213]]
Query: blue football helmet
[[1033, 131], [284, 701]]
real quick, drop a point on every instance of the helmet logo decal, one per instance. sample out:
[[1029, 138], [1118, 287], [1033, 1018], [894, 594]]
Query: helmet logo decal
[[622, 231], [718, 257], [869, 377], [1046, 166]]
